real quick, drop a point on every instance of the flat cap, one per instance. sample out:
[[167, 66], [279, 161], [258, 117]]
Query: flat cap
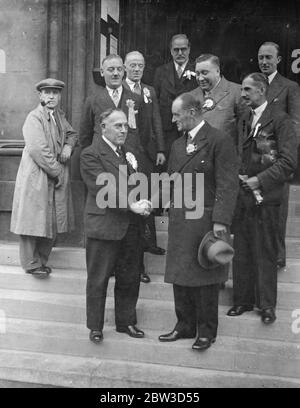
[[50, 83]]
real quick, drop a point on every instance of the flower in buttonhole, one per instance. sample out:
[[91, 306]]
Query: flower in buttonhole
[[130, 158], [188, 74], [147, 95], [208, 104], [191, 148]]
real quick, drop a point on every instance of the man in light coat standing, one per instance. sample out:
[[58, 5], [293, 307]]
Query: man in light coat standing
[[42, 204]]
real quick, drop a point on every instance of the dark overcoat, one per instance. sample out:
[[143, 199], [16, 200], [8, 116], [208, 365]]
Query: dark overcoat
[[284, 95], [216, 158]]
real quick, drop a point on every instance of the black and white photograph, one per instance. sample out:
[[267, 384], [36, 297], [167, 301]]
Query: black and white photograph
[[149, 197]]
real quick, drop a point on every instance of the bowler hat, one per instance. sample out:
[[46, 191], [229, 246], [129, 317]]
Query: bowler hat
[[50, 83], [215, 251]]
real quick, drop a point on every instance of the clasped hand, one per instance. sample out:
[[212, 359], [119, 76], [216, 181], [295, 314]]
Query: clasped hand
[[142, 207]]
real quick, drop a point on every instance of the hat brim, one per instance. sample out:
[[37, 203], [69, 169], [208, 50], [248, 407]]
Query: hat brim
[[204, 262]]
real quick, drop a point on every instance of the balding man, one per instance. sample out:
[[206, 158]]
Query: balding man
[[151, 136], [171, 80], [283, 95]]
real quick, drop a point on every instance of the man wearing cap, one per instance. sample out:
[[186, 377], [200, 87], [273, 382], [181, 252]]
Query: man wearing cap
[[42, 204], [268, 150], [201, 151]]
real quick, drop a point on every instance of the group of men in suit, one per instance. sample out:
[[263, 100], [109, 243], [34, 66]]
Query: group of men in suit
[[190, 105]]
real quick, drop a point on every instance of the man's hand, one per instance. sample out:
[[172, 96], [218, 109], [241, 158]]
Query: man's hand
[[219, 229], [251, 183], [65, 153], [60, 178], [160, 159], [141, 207]]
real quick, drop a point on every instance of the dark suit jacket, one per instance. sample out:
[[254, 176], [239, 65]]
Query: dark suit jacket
[[97, 104], [166, 91], [276, 132], [216, 158], [104, 223], [151, 134], [284, 95], [228, 107]]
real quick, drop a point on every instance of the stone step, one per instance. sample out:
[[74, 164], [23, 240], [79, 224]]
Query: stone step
[[74, 258], [83, 372], [152, 314], [232, 354], [74, 282]]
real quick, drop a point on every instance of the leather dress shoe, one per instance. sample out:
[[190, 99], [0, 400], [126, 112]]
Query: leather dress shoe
[[203, 343], [47, 269], [145, 277], [156, 250], [268, 316], [132, 331], [96, 336], [173, 336], [237, 310], [39, 272]]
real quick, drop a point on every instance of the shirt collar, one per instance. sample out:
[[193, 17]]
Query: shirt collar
[[196, 129], [132, 83], [119, 89], [272, 76], [182, 66], [114, 147], [257, 112]]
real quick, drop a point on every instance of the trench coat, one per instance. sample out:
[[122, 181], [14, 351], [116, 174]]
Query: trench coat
[[36, 199], [215, 157]]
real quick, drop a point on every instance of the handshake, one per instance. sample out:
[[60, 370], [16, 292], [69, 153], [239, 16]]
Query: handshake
[[141, 207]]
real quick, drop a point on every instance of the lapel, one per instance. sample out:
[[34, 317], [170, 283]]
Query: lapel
[[200, 141], [264, 120], [107, 99], [275, 88], [221, 91], [169, 73], [108, 155]]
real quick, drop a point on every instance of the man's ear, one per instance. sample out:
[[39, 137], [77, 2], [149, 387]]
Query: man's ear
[[279, 58], [101, 72]]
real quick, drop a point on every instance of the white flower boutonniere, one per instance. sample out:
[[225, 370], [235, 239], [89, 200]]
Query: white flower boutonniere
[[130, 158], [189, 74], [147, 95], [208, 104], [256, 129], [191, 148], [131, 113]]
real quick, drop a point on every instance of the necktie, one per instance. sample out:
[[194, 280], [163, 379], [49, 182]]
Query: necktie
[[179, 71], [137, 88], [115, 97], [189, 139], [121, 154], [250, 120]]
